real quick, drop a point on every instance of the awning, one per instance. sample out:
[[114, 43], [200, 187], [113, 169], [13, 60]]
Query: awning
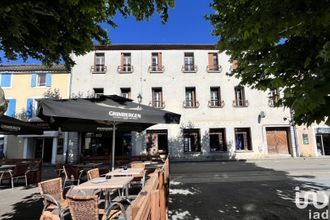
[[99, 114], [13, 126], [106, 113]]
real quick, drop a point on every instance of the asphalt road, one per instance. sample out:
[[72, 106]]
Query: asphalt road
[[260, 189]]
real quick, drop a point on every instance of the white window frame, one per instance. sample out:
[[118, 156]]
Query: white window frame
[[37, 79]]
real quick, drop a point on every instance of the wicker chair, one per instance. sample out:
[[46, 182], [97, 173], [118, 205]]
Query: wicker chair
[[48, 215], [72, 174], [20, 171], [83, 207], [86, 208], [138, 180], [51, 192], [93, 173]]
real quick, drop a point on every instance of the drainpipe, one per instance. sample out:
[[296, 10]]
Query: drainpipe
[[293, 124]]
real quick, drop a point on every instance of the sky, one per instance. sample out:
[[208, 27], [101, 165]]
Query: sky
[[186, 25]]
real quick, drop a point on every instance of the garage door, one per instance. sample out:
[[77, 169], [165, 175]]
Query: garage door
[[277, 140]]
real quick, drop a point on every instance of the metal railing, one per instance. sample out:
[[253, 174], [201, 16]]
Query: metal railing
[[125, 69], [156, 69], [99, 69], [240, 103], [190, 104], [189, 68], [214, 69], [216, 103]]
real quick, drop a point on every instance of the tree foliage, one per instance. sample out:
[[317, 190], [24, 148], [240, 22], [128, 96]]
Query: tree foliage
[[51, 30], [280, 44]]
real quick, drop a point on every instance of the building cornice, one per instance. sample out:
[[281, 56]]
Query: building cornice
[[156, 47], [32, 68]]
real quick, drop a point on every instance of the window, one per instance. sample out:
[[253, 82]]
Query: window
[[190, 101], [240, 100], [157, 98], [189, 63], [243, 139], [98, 92], [99, 64], [41, 79], [31, 107], [215, 101], [5, 80], [191, 140], [125, 92], [157, 141], [156, 63], [11, 109], [217, 139], [126, 66], [274, 97], [213, 63]]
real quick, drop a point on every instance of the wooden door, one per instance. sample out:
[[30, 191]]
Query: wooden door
[[277, 140]]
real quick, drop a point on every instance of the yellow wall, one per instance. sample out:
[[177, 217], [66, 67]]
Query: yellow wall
[[306, 150], [21, 88]]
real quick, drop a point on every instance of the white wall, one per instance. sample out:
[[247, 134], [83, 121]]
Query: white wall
[[173, 82]]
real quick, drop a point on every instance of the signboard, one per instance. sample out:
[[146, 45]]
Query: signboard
[[323, 130]]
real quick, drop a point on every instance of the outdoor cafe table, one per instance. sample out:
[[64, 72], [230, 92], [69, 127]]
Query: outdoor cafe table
[[127, 172], [88, 165], [6, 167], [106, 185]]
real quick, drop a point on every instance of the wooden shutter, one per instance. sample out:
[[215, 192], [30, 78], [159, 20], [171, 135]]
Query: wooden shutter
[[160, 62], [33, 80], [211, 61], [29, 108], [122, 62], [193, 94], [6, 79], [11, 110], [48, 79]]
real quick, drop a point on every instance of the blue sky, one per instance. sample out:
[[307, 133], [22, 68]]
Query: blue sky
[[186, 24]]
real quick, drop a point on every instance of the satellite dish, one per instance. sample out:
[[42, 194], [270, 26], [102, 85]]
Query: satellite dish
[[3, 102]]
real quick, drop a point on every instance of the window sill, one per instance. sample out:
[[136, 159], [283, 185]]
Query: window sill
[[98, 72], [243, 151], [219, 151], [41, 87]]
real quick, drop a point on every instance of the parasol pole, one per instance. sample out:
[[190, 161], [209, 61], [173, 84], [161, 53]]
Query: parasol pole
[[113, 146]]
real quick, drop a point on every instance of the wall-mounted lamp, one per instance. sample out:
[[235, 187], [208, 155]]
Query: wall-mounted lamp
[[261, 115], [139, 98]]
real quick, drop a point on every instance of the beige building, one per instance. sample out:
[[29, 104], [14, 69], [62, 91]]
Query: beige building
[[23, 85], [220, 118]]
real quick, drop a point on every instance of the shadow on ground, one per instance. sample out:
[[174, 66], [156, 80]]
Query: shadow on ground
[[236, 190], [30, 204]]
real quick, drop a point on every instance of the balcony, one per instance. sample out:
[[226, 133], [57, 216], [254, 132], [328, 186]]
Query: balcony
[[214, 69], [125, 69], [240, 103], [190, 104], [157, 104], [99, 69], [156, 69], [189, 68], [216, 103]]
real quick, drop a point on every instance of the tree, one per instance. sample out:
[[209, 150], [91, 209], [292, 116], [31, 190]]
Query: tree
[[280, 45], [51, 30]]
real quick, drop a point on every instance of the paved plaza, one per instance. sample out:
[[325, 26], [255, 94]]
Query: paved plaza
[[253, 189]]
